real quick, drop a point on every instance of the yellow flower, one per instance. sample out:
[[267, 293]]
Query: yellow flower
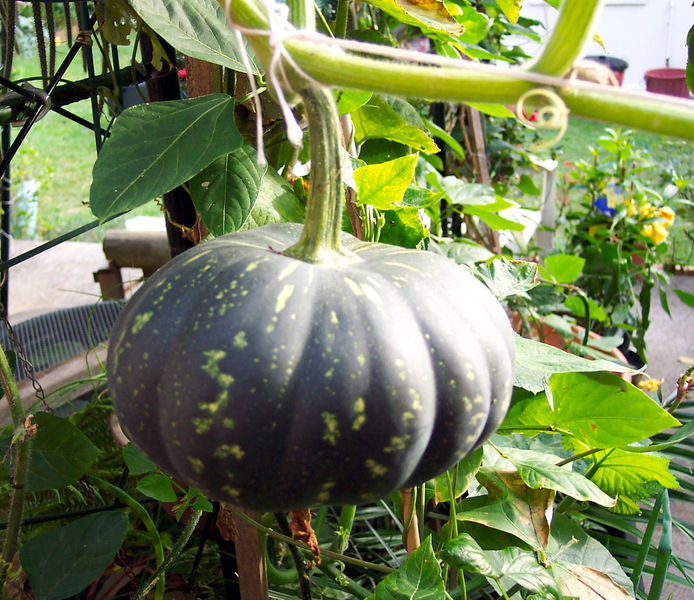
[[656, 232], [650, 385], [646, 211], [667, 214], [632, 209]]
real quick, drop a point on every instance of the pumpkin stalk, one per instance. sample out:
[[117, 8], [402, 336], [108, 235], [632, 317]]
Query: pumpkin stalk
[[320, 238]]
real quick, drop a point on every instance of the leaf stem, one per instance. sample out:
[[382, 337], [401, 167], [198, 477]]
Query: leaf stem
[[342, 18], [21, 467], [173, 554], [344, 528], [143, 515]]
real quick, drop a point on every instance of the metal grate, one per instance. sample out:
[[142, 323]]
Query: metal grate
[[54, 337]]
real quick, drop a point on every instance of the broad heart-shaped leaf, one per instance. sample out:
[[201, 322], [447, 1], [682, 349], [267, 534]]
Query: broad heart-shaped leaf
[[460, 192], [63, 561], [462, 475], [462, 251], [428, 15], [540, 470], [506, 277], [536, 362], [572, 552], [418, 578], [225, 191], [155, 147], [197, 28], [529, 413], [350, 100], [276, 202], [60, 454], [384, 184], [403, 228], [611, 412], [511, 507], [520, 566], [378, 119], [510, 8], [629, 475], [564, 268], [157, 486], [136, 461]]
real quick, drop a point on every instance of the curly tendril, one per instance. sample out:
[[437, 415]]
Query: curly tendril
[[553, 114]]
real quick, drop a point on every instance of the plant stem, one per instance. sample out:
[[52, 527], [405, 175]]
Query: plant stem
[[344, 528], [143, 515], [572, 31], [664, 551], [21, 467], [325, 553], [304, 582], [646, 543], [173, 554], [342, 18], [320, 237]]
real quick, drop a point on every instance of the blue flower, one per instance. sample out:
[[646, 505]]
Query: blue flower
[[601, 204]]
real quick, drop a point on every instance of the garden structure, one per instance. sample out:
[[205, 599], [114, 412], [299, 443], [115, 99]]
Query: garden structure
[[334, 335]]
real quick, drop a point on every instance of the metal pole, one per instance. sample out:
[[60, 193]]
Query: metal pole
[[5, 202], [86, 24]]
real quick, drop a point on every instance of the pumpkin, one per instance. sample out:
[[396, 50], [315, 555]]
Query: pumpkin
[[274, 382]]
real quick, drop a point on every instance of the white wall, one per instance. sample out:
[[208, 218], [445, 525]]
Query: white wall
[[645, 33]]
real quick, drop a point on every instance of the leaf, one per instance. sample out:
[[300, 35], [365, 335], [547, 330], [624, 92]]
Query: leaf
[[510, 8], [418, 578], [510, 506], [462, 251], [506, 277], [495, 222], [463, 552], [136, 461], [540, 470], [350, 100], [403, 228], [466, 470], [586, 583], [627, 474], [60, 454], [686, 297], [155, 147], [537, 362], [564, 268], [157, 486], [63, 561], [196, 28], [428, 15], [225, 191], [378, 119], [493, 110], [384, 184], [276, 202], [445, 137], [461, 193], [612, 412], [570, 545], [689, 71]]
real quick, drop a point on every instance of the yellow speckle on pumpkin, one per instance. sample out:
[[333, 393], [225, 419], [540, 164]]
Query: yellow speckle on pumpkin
[[140, 321], [331, 432], [283, 297], [197, 464], [375, 469]]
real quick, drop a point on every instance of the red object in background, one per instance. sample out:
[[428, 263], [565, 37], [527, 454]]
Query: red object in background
[[182, 74], [668, 81]]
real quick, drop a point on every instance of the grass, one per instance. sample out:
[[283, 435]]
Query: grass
[[59, 154]]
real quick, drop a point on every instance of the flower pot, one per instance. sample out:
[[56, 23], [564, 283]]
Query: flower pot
[[667, 81], [616, 65]]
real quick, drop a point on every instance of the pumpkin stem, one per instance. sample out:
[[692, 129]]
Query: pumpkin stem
[[320, 238]]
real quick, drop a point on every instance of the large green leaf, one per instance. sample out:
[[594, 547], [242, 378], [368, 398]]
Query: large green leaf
[[225, 191], [536, 362], [419, 577], [611, 411], [60, 453], [378, 119], [520, 566], [63, 561], [384, 184], [629, 475], [197, 28], [540, 470], [510, 506], [462, 251], [689, 73], [429, 15], [157, 486], [506, 278], [529, 413], [564, 268], [510, 8], [276, 203], [155, 147], [572, 553]]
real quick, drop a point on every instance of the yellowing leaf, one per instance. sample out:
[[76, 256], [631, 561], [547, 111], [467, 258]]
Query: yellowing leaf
[[511, 8], [579, 581], [383, 184], [430, 15]]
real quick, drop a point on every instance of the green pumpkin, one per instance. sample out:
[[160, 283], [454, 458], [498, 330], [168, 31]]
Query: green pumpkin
[[284, 367]]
